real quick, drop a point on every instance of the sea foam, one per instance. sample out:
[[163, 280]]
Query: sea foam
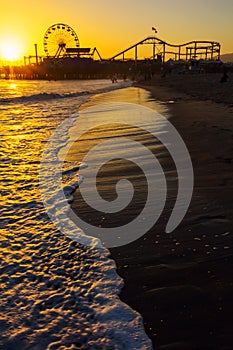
[[55, 293]]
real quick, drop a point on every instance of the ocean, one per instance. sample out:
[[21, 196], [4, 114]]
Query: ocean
[[55, 292]]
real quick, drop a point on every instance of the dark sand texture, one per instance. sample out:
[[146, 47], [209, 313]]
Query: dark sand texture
[[182, 282]]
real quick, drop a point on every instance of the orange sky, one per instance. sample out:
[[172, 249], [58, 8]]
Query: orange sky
[[114, 25]]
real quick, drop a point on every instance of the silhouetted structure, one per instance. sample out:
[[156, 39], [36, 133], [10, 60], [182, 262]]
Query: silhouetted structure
[[65, 59], [161, 50]]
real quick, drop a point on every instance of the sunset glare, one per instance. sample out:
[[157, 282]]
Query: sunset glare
[[10, 51]]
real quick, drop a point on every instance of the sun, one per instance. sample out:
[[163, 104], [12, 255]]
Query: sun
[[10, 51]]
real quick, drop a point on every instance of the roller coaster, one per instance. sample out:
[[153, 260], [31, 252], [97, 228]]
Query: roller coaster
[[163, 51]]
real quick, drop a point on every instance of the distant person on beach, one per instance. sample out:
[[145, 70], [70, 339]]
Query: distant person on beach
[[114, 78]]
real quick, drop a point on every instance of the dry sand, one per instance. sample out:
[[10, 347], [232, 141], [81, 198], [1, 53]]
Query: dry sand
[[200, 86], [182, 282]]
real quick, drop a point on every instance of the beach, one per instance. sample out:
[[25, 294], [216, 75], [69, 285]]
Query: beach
[[59, 293], [116, 163], [181, 282]]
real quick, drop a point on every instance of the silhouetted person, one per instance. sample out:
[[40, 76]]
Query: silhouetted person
[[114, 78]]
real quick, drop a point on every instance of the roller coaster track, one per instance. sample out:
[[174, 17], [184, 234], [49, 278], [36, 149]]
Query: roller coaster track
[[208, 50]]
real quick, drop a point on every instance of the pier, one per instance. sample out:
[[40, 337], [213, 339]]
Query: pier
[[65, 58]]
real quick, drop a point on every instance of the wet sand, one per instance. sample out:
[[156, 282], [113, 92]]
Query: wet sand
[[182, 282]]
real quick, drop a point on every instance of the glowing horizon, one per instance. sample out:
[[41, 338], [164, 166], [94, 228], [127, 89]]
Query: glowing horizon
[[11, 50], [112, 26]]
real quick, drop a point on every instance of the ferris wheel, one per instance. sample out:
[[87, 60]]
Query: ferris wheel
[[58, 38]]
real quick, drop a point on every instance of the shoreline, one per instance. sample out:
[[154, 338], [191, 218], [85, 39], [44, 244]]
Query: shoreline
[[181, 283], [55, 292]]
